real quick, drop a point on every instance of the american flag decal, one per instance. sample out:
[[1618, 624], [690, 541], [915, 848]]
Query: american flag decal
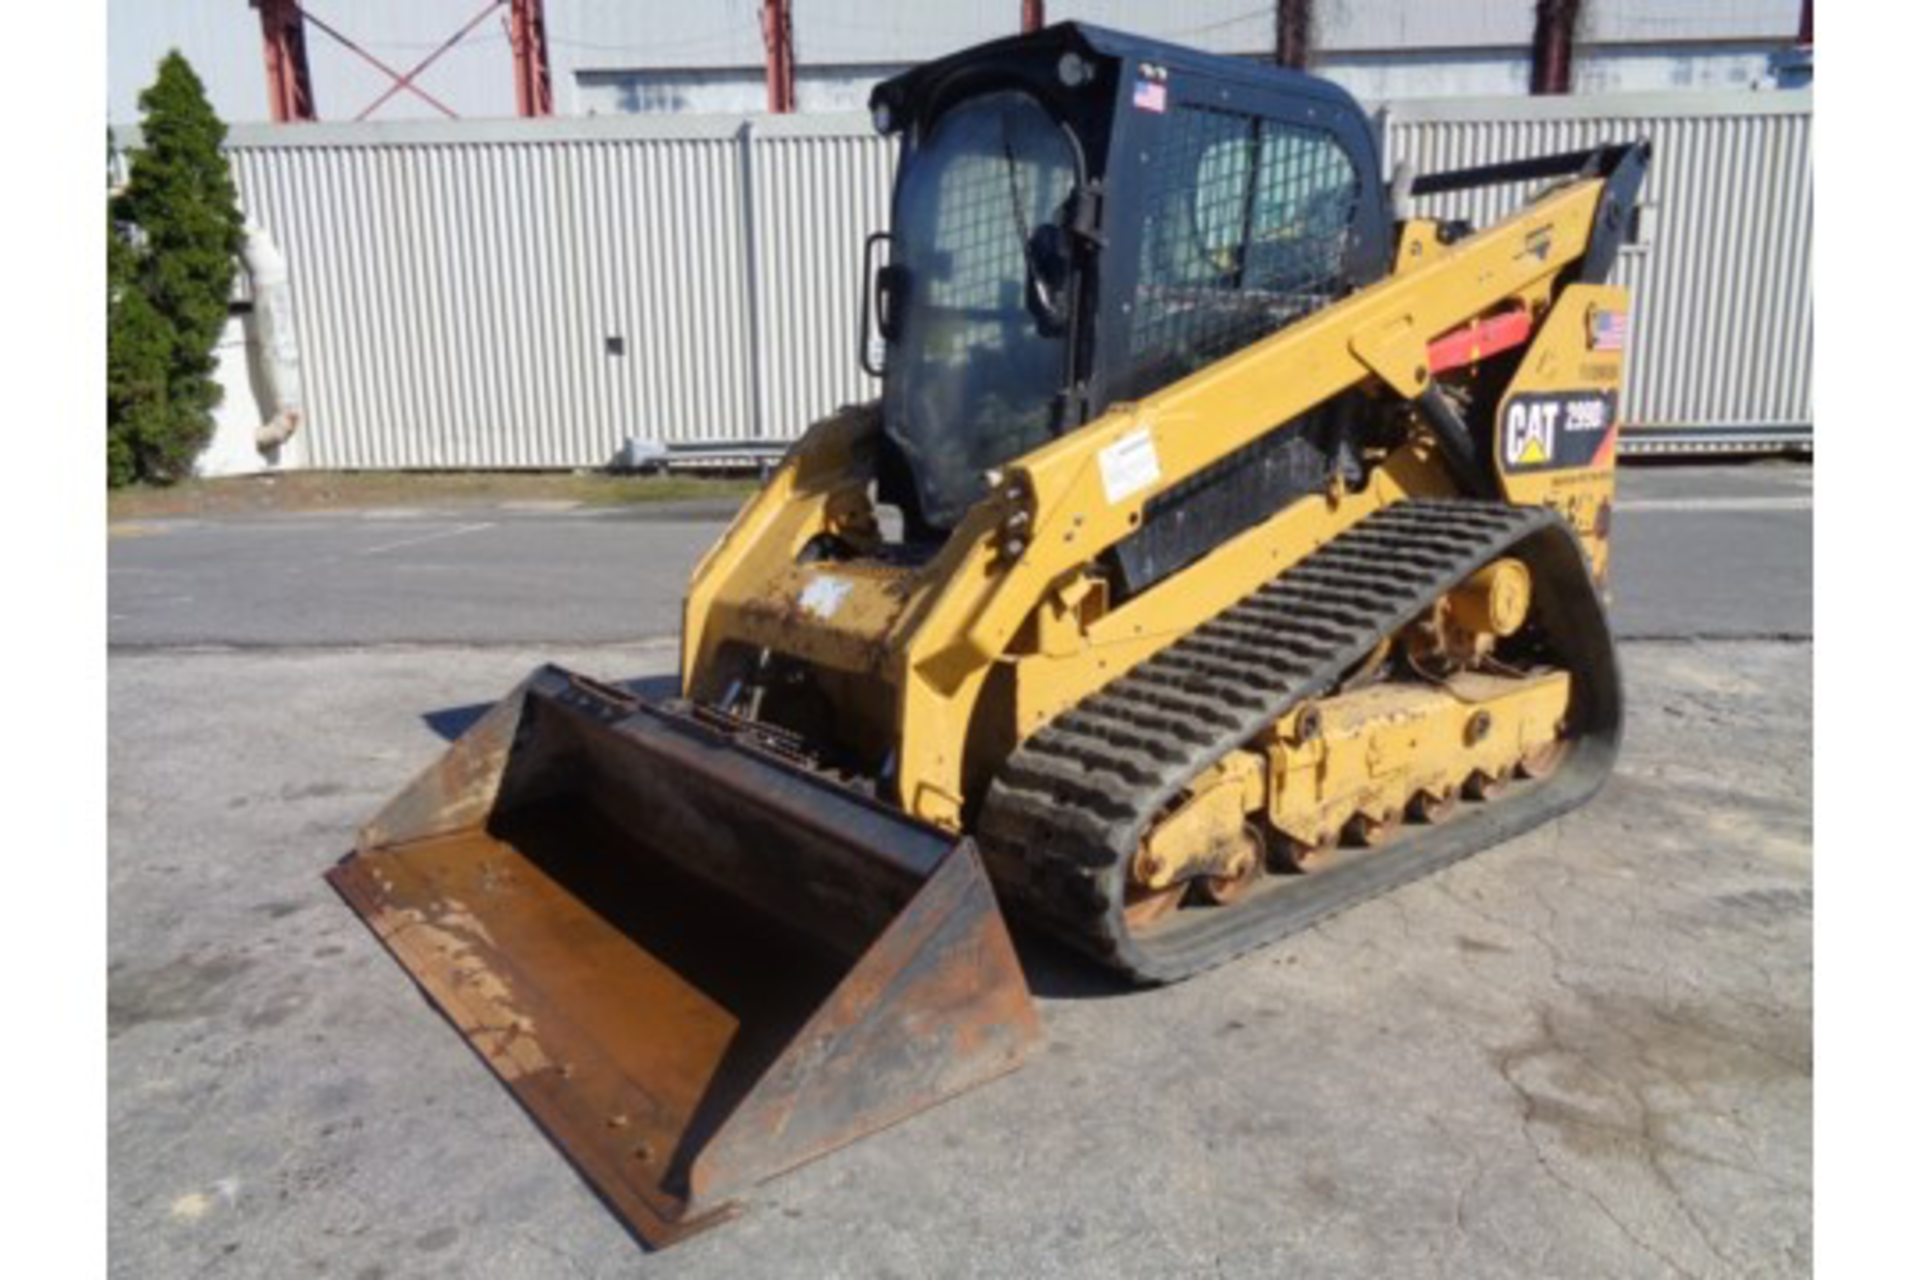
[[1149, 96], [1609, 331]]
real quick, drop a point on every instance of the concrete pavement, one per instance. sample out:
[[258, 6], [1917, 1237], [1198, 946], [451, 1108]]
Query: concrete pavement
[[1720, 551], [1587, 1052]]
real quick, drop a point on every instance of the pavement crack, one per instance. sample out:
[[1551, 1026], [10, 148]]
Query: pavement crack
[[1529, 1105]]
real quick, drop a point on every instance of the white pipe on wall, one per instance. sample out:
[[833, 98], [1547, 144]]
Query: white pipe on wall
[[273, 346]]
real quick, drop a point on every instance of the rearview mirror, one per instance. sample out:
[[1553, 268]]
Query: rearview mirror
[[880, 296], [1049, 273]]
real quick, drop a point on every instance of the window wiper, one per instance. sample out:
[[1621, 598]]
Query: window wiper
[[1015, 199]]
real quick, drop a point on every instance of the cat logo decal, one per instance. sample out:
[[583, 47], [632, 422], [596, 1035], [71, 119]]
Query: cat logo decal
[[1544, 430]]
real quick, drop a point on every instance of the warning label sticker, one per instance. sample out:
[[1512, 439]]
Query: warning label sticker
[[823, 596], [1129, 465]]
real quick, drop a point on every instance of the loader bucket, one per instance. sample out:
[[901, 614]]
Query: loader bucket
[[695, 963]]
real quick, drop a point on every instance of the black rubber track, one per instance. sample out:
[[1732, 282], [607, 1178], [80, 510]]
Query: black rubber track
[[1063, 818]]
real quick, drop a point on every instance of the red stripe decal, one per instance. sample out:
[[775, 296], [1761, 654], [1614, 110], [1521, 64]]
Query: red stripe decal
[[1603, 456], [1479, 339]]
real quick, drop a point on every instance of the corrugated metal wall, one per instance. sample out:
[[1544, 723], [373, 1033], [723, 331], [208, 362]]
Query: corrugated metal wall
[[1722, 282], [816, 196], [532, 294], [471, 298]]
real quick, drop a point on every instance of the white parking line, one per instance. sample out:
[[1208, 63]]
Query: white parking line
[[454, 532], [1715, 504], [542, 506]]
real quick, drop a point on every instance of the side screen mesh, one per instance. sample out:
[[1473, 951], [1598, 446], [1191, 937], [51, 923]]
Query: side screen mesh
[[1247, 228]]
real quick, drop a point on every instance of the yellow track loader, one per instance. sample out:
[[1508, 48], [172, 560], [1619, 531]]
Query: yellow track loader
[[1226, 546]]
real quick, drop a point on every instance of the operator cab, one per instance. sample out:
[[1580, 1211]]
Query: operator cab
[[1081, 218]]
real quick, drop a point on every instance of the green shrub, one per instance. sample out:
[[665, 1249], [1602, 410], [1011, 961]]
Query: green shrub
[[180, 195]]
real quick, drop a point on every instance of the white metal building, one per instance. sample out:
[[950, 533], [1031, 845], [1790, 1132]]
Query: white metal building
[[669, 56], [541, 293]]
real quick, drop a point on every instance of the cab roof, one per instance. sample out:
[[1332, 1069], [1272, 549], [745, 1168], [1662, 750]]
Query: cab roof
[[905, 91]]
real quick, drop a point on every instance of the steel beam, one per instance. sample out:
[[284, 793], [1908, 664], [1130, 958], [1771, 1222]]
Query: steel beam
[[284, 39], [776, 29], [1292, 33], [532, 78], [1553, 25]]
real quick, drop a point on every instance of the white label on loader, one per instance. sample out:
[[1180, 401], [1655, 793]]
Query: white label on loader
[[823, 595], [1129, 465]]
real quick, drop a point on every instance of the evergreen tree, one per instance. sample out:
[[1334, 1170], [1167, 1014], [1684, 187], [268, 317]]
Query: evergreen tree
[[181, 196], [139, 355]]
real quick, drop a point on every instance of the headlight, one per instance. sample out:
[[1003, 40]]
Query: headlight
[[1074, 70], [882, 118]]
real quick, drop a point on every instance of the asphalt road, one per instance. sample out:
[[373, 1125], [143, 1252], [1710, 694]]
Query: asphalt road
[[1723, 551], [1585, 1052]]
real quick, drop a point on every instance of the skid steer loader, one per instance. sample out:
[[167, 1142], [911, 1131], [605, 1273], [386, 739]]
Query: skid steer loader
[[1226, 546]]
